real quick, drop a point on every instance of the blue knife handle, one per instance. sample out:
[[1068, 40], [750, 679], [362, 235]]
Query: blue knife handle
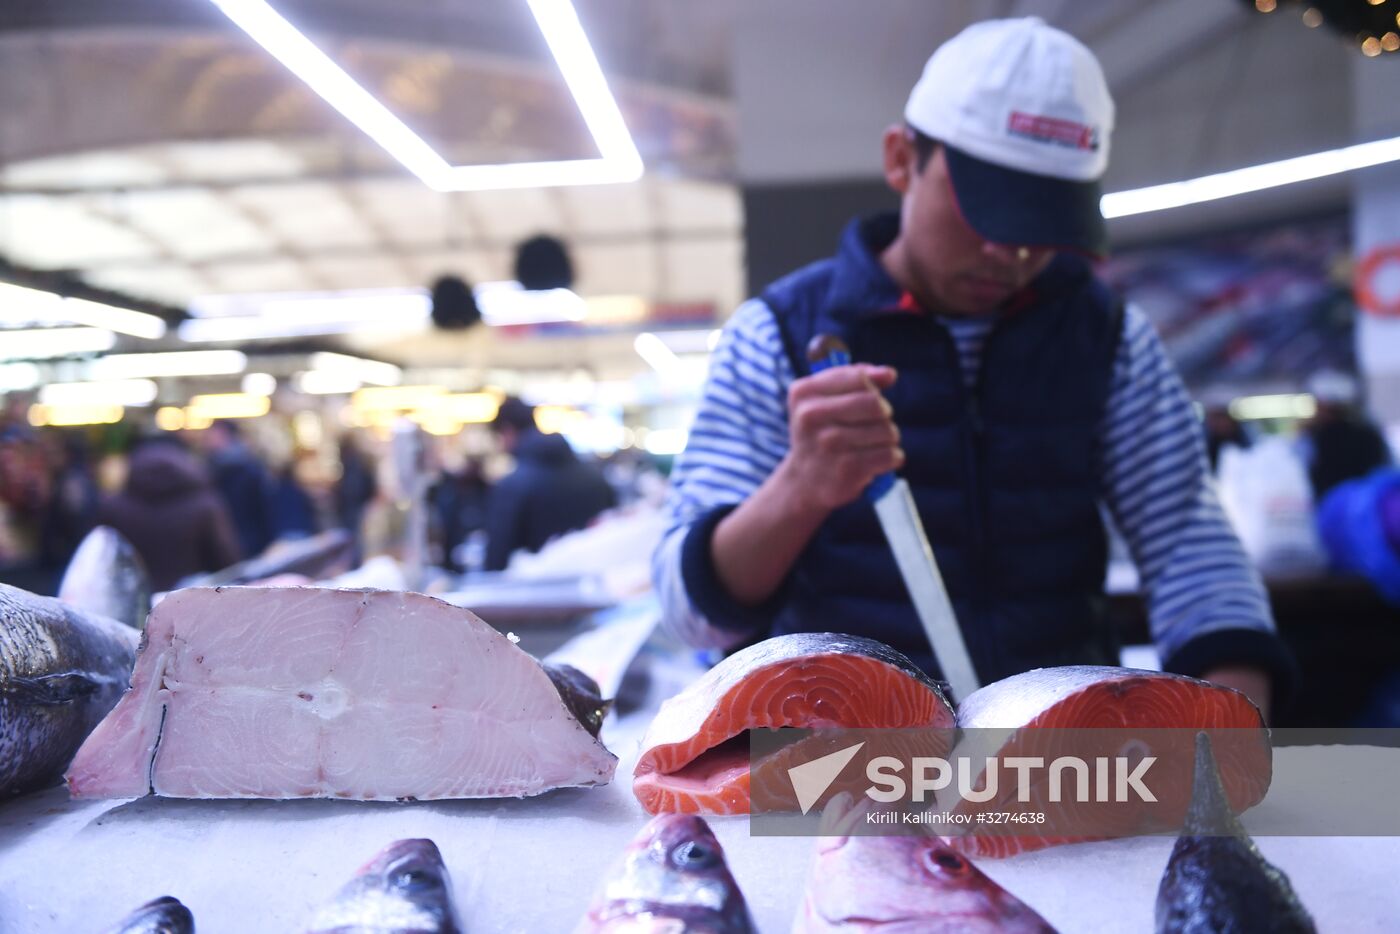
[[823, 353]]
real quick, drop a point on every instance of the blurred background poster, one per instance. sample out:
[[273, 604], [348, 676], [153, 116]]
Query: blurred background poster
[[1248, 312]]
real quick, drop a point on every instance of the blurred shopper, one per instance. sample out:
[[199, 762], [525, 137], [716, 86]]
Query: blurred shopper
[[550, 491], [171, 514], [1339, 442], [356, 486], [72, 508], [1222, 429], [293, 512], [243, 482], [1004, 381], [458, 504]]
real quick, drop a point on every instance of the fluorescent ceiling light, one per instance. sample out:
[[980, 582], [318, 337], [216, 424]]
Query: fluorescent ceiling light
[[121, 320], [18, 376], [300, 314], [619, 160], [177, 363], [698, 340], [654, 351], [134, 392], [327, 382], [1300, 405], [67, 415], [1251, 178], [259, 384], [44, 343], [506, 303], [20, 305], [226, 405], [374, 372]]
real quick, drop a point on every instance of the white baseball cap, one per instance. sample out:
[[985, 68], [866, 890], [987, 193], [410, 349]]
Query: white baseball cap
[[1024, 114]]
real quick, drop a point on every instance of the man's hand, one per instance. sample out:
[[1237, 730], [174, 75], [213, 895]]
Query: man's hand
[[842, 438], [1252, 682], [842, 435]]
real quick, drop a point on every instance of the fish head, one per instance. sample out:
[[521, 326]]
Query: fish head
[[674, 873], [404, 889], [164, 915], [901, 877]]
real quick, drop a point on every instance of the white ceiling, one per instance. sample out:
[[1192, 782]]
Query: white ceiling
[[169, 157]]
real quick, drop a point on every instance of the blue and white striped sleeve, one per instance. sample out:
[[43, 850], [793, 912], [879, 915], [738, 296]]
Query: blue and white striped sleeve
[[1206, 603], [739, 435]]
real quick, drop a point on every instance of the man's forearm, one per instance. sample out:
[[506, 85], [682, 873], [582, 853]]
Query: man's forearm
[[756, 545]]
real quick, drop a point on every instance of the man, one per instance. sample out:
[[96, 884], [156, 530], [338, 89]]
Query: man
[[1339, 443], [244, 484], [997, 375], [550, 492]]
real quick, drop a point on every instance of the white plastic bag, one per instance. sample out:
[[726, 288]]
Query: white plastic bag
[[1267, 496]]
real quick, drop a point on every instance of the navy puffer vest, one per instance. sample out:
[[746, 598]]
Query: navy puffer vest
[[1005, 476]]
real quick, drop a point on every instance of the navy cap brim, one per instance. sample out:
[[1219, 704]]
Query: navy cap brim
[[1007, 206]]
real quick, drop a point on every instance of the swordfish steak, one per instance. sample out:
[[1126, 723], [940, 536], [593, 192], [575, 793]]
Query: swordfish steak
[[694, 756], [246, 692]]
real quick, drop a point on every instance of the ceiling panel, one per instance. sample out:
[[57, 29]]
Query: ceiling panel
[[617, 269], [406, 210], [274, 276], [194, 224], [372, 272], [173, 285], [609, 209], [705, 271], [62, 232], [308, 216], [700, 205], [516, 214], [113, 167], [220, 160]]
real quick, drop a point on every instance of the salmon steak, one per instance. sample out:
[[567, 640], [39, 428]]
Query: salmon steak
[[1109, 718], [248, 692], [695, 755]]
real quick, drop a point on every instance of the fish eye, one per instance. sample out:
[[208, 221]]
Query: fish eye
[[694, 855], [945, 862], [413, 879]]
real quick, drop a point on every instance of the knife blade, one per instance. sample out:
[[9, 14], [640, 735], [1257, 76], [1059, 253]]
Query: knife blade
[[904, 530]]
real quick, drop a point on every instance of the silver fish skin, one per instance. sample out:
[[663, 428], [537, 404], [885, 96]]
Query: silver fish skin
[[1217, 881], [107, 577], [404, 889], [61, 670], [164, 915], [901, 883], [673, 880]]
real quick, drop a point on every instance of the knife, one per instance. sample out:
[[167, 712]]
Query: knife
[[899, 518]]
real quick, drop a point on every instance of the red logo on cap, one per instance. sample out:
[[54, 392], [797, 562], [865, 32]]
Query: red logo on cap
[[1053, 130]]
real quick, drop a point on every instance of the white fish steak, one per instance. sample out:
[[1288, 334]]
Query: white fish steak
[[253, 692]]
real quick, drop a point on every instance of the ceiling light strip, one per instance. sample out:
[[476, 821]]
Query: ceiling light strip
[[563, 33], [1250, 178]]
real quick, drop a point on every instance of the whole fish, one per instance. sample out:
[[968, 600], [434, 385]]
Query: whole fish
[[164, 915], [1217, 882], [405, 889], [673, 880], [107, 577], [322, 555], [61, 670], [912, 883]]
